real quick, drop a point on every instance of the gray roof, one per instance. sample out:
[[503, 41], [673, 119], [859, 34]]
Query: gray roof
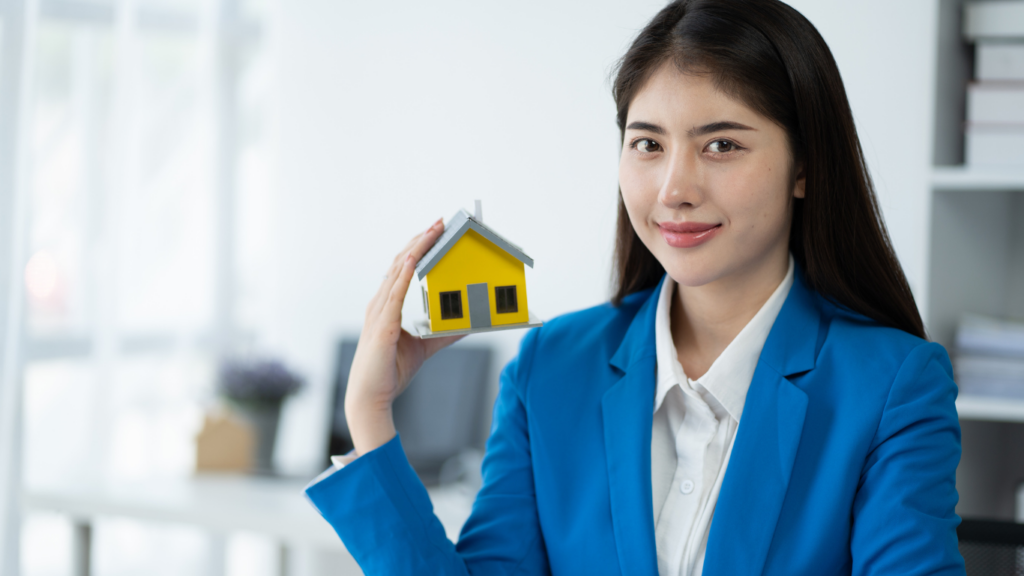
[[455, 229]]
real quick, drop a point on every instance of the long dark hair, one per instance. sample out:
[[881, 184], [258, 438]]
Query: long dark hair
[[772, 58]]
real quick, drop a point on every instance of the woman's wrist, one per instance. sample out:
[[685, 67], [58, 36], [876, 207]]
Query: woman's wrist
[[370, 425]]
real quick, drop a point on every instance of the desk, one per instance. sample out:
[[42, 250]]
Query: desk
[[221, 504]]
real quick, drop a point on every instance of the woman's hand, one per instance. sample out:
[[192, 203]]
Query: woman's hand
[[387, 356]]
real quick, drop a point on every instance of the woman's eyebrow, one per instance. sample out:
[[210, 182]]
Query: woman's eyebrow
[[716, 127], [647, 126]]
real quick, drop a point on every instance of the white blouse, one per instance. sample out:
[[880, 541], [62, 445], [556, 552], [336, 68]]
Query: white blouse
[[695, 423]]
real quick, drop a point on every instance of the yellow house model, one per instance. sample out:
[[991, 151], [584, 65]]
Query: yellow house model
[[473, 280]]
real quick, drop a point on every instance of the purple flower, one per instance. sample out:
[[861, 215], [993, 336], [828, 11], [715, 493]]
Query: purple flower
[[257, 381]]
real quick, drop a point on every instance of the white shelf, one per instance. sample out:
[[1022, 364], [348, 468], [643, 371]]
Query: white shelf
[[990, 408], [968, 179]]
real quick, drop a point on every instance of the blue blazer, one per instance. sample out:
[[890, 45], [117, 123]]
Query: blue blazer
[[844, 461]]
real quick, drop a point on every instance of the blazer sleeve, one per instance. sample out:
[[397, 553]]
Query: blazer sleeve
[[903, 514], [382, 513]]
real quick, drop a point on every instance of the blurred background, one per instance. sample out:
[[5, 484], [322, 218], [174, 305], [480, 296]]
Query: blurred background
[[188, 182]]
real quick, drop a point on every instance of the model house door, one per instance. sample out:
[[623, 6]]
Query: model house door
[[479, 306]]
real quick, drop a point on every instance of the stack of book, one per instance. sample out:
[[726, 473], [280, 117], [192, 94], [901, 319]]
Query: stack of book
[[995, 100], [990, 357]]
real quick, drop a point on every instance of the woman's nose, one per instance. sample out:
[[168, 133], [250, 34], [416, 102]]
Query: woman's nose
[[681, 182]]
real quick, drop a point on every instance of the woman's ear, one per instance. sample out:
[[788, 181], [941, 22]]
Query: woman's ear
[[800, 183]]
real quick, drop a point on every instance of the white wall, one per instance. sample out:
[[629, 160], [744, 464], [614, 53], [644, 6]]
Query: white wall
[[393, 114]]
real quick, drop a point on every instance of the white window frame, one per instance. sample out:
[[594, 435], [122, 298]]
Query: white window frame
[[227, 35], [15, 34]]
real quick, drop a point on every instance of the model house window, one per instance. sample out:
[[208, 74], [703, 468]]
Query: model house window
[[451, 305], [505, 298]]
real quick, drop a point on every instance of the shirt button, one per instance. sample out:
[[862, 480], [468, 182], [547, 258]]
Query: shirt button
[[686, 487]]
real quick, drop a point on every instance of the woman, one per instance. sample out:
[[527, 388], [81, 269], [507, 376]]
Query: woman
[[758, 397]]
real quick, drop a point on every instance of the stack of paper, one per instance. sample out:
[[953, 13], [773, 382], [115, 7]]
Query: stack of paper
[[995, 101], [990, 357]]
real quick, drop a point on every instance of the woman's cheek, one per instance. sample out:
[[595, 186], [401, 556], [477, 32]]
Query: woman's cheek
[[636, 197], [749, 212], [636, 214]]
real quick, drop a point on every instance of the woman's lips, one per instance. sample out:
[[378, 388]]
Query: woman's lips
[[687, 234]]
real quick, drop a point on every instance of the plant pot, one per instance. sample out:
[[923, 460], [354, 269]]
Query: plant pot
[[264, 418]]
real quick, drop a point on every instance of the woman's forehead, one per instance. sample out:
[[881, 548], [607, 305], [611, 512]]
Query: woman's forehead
[[672, 97]]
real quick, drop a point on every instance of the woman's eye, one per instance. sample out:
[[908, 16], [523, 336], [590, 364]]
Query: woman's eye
[[721, 146], [646, 145]]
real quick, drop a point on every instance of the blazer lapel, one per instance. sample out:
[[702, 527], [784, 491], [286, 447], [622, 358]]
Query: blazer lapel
[[627, 410], [765, 448]]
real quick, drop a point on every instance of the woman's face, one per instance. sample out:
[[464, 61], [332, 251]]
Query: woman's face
[[708, 182]]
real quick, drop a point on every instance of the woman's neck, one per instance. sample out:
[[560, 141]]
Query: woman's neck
[[705, 319]]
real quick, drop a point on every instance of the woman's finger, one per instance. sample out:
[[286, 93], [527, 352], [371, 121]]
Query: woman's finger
[[396, 264], [427, 240], [378, 300], [390, 317], [417, 247]]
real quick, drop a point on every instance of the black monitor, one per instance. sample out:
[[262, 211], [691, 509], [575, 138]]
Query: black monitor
[[439, 415]]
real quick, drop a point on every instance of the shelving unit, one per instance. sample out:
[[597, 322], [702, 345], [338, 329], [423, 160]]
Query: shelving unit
[[976, 265], [989, 409], [965, 179]]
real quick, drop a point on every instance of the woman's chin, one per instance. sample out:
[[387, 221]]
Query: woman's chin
[[694, 276]]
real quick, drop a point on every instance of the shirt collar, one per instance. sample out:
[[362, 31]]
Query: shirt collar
[[729, 376]]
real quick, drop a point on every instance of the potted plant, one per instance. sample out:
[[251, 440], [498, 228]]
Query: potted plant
[[256, 389]]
